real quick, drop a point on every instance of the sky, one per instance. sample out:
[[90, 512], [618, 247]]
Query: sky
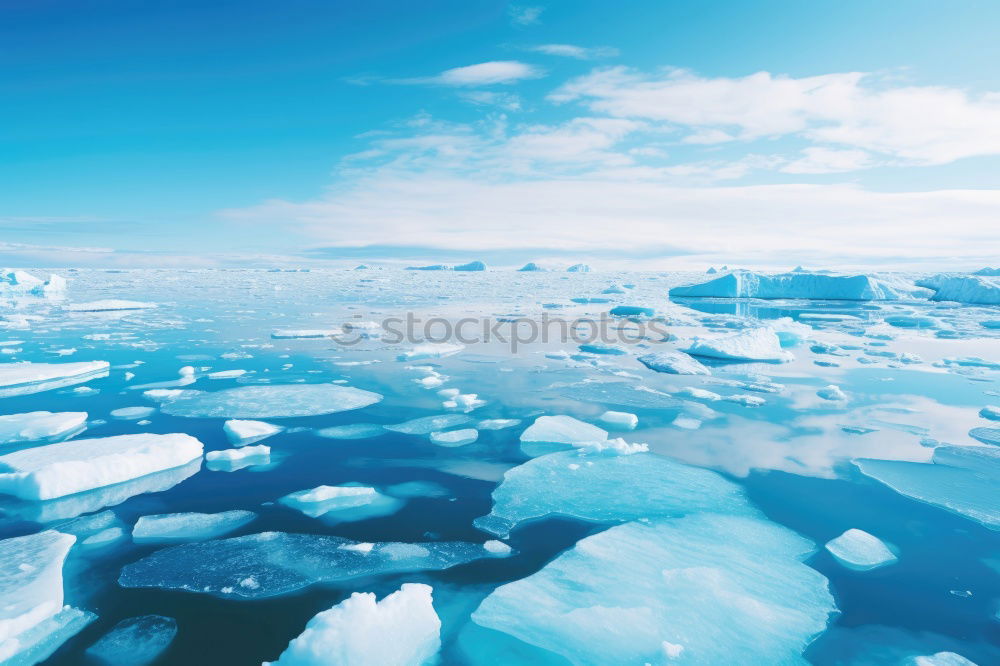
[[654, 134]]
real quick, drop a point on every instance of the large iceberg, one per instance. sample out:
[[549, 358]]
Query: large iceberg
[[701, 589], [588, 485], [27, 378], [279, 401], [961, 479], [33, 620], [75, 466], [975, 289], [400, 630], [275, 563], [35, 426], [135, 641], [747, 284], [755, 344]]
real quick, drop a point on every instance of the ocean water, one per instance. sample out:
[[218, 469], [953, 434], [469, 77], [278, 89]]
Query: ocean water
[[791, 455]]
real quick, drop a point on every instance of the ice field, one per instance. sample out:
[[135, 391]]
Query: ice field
[[272, 466]]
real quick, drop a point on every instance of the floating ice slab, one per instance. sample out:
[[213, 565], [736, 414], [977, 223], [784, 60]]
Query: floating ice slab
[[346, 503], [400, 630], [454, 438], [554, 433], [425, 425], [32, 624], [173, 527], [132, 413], [36, 426], [619, 420], [75, 466], [275, 563], [961, 479], [135, 641], [587, 485], [242, 432], [674, 363], [859, 550], [27, 378], [702, 589], [234, 455], [279, 401], [756, 344], [109, 305], [747, 284], [352, 431]]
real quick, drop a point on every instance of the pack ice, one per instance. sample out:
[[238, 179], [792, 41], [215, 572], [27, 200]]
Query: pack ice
[[65, 468], [400, 630], [33, 620], [747, 284], [700, 589], [35, 426], [26, 378], [960, 479], [274, 563], [135, 641], [587, 485], [279, 401], [755, 344]]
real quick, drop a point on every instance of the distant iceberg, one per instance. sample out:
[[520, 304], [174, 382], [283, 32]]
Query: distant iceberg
[[432, 267], [578, 268], [530, 267], [471, 266], [973, 289], [747, 284]]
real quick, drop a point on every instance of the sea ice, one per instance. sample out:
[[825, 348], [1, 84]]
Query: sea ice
[[553, 433], [234, 455], [747, 284], [400, 630], [278, 401], [430, 350], [352, 431], [109, 305], [964, 289], [674, 363], [425, 425], [172, 527], [587, 485], [27, 378], [132, 413], [859, 550], [289, 334], [497, 424], [65, 468], [275, 563], [619, 420], [242, 432], [36, 426], [135, 641], [347, 503], [704, 589], [755, 344], [455, 438]]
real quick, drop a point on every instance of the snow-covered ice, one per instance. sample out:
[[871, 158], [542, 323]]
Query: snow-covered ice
[[346, 503], [38, 426], [755, 344], [173, 527], [674, 363], [242, 432], [75, 466], [553, 433], [859, 550], [619, 420], [400, 630], [27, 378]]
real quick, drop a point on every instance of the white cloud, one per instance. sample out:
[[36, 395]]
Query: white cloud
[[920, 125], [828, 160], [521, 15], [484, 74], [572, 51]]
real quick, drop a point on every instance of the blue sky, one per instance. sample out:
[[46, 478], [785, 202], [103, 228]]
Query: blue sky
[[652, 133]]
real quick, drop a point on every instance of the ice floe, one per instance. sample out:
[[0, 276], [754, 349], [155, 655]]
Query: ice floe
[[135, 641], [277, 401], [109, 305], [345, 503], [619, 420], [242, 432], [755, 344], [674, 363], [859, 550], [352, 431], [173, 527], [553, 433], [425, 425], [40, 426], [27, 378], [453, 438]]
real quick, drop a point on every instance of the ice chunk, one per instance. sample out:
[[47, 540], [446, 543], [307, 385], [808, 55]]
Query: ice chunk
[[132, 413], [961, 479], [823, 286], [352, 431], [587, 485], [171, 527], [65, 468], [673, 362], [32, 621], [964, 289], [553, 433], [707, 588], [279, 401], [26, 378], [275, 563], [242, 432], [346, 503], [454, 438], [233, 455], [400, 630], [431, 350], [755, 344], [831, 392], [35, 426], [135, 641], [425, 425], [497, 424], [471, 266], [619, 420], [859, 550], [288, 334], [109, 305]]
